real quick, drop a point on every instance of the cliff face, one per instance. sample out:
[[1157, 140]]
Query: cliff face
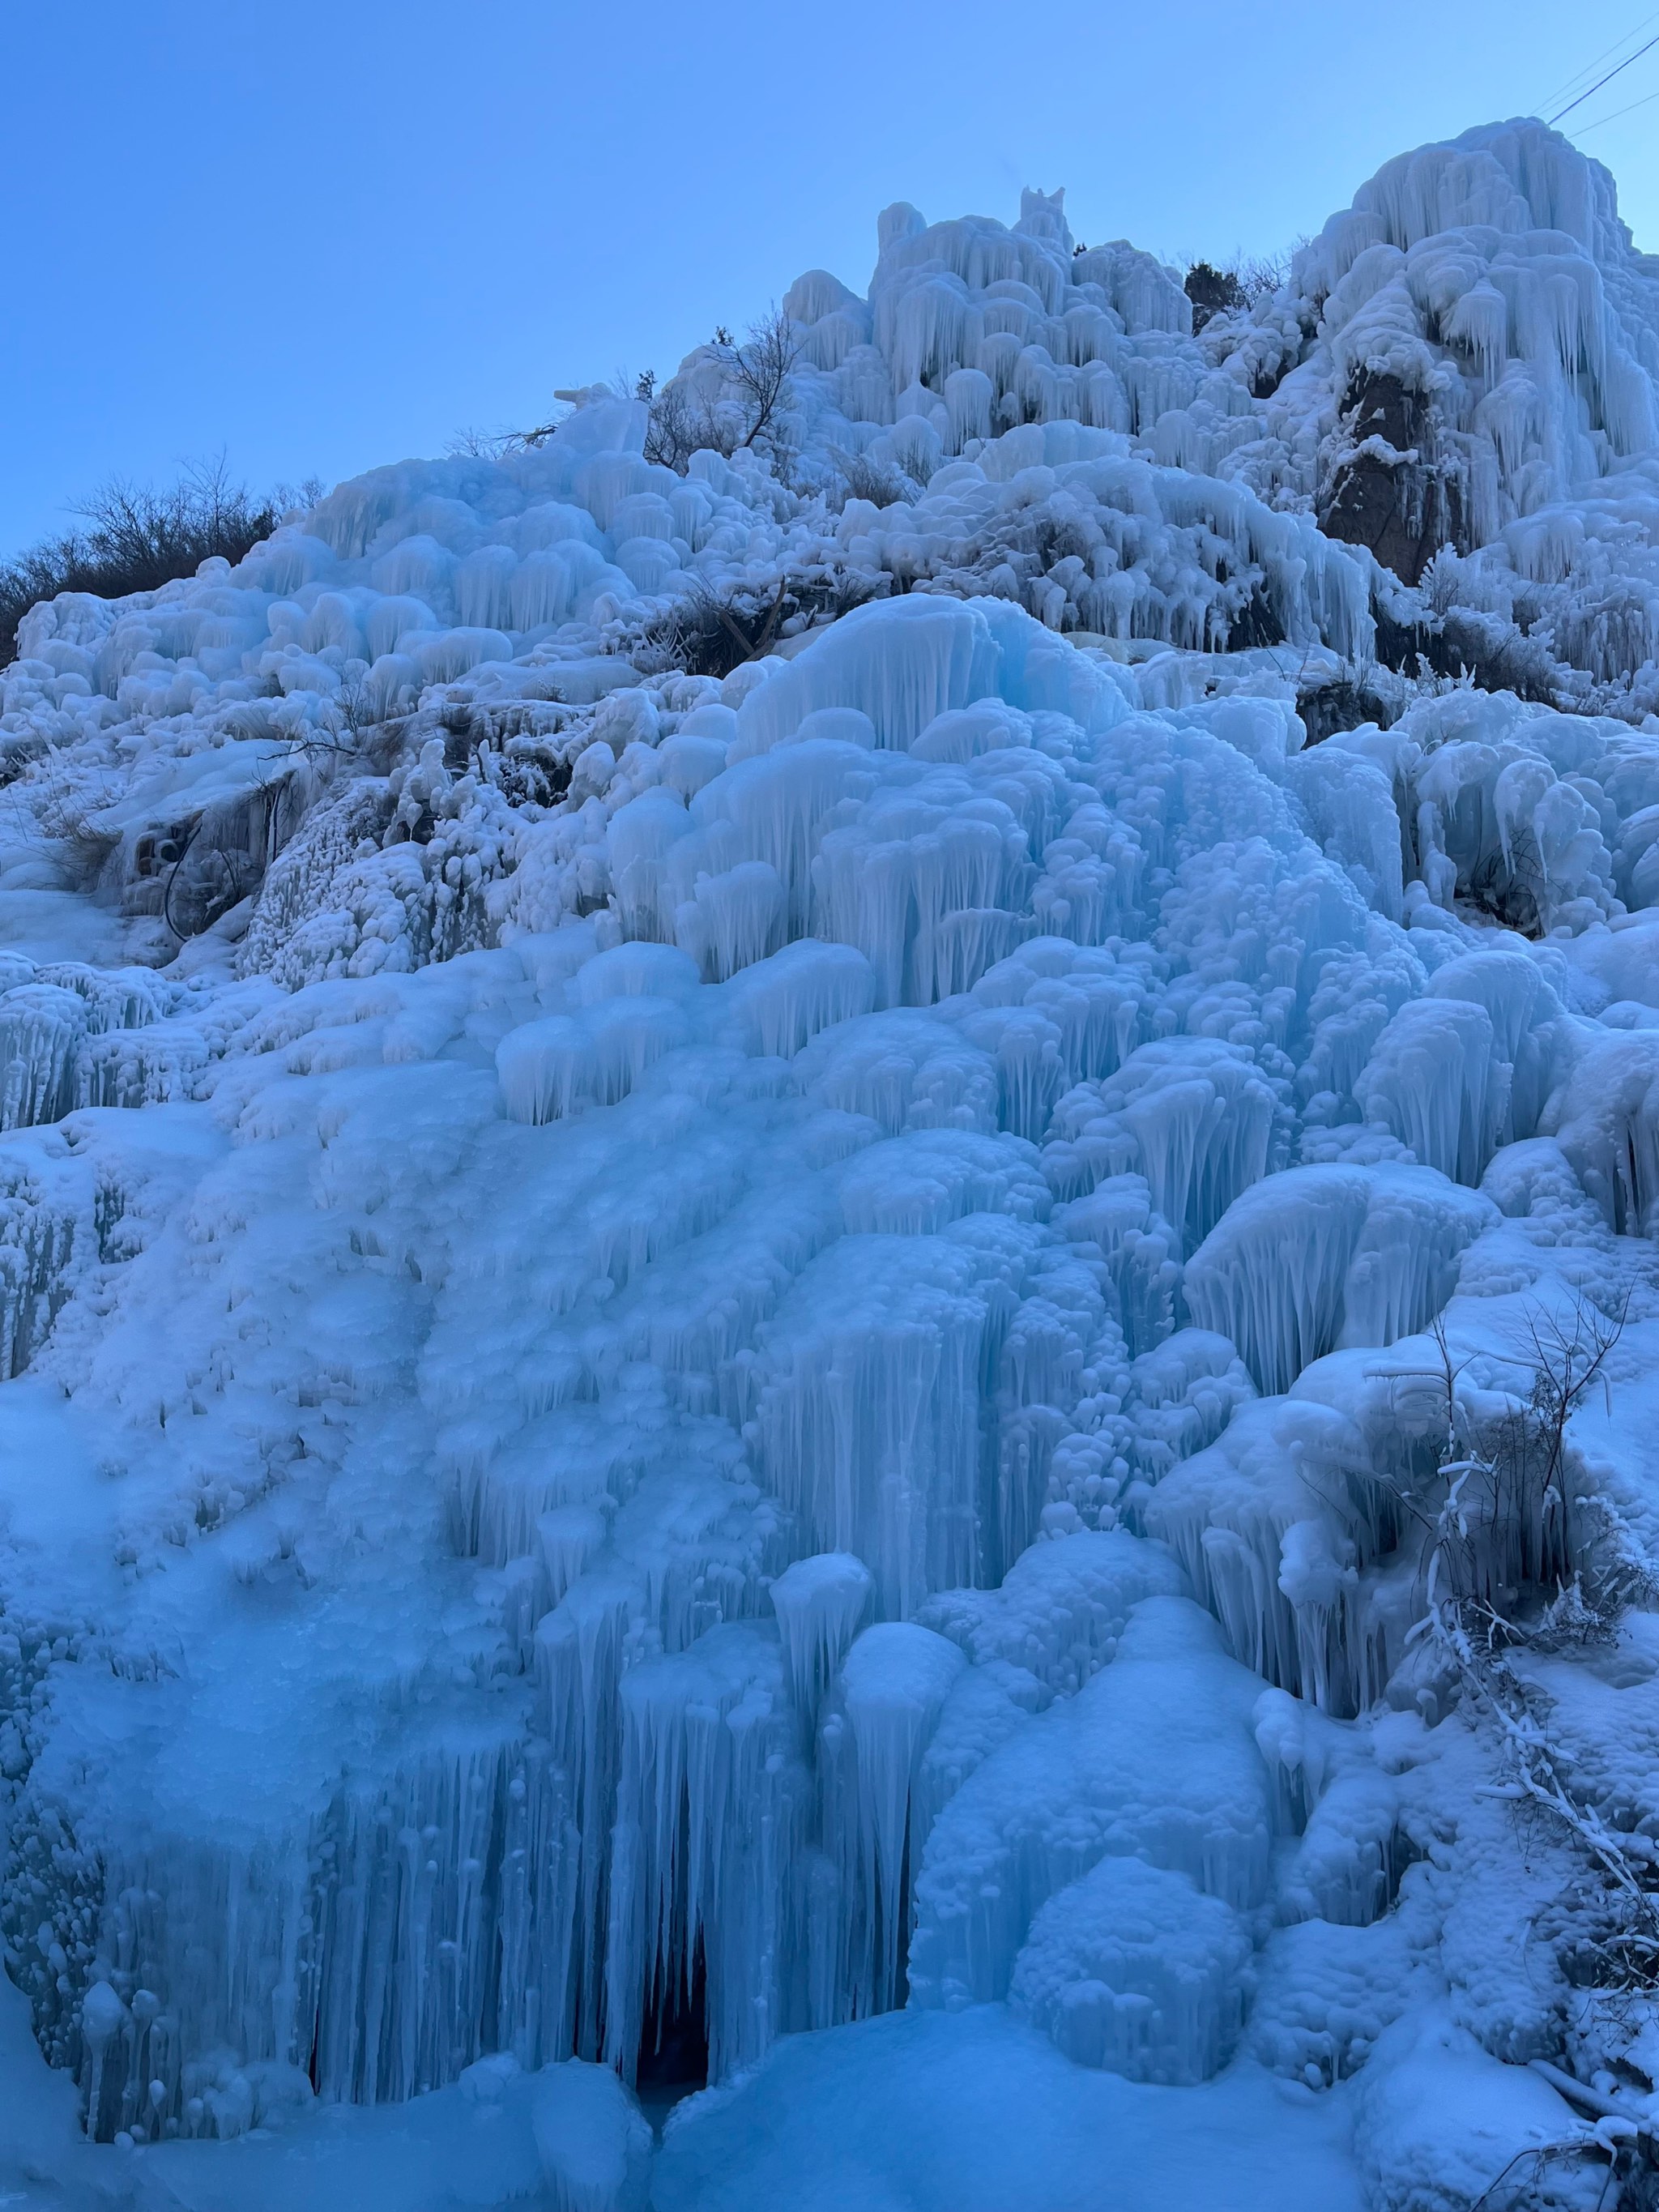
[[821, 1263]]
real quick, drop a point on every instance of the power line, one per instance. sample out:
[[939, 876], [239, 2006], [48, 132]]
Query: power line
[[1607, 79], [1578, 74], [1616, 114]]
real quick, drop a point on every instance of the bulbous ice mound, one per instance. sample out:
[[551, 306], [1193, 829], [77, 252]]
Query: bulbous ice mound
[[1132, 1970], [688, 1356]]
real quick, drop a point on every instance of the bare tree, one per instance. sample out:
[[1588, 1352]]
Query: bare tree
[[761, 368], [757, 375], [677, 429]]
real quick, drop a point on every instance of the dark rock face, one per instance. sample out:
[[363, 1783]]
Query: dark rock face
[[1392, 486]]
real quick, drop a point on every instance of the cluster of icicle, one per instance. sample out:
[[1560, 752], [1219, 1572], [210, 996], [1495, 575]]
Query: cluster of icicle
[[754, 1344], [791, 1438], [1052, 433]]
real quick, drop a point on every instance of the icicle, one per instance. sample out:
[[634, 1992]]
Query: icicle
[[893, 1685], [820, 1603]]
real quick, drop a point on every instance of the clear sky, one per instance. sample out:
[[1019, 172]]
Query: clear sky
[[324, 234]]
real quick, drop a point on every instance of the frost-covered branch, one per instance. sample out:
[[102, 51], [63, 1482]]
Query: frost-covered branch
[[1521, 1467]]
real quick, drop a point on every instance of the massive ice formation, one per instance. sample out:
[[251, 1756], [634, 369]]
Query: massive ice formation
[[692, 1357]]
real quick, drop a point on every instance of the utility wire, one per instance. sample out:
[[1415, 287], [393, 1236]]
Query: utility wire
[[1578, 76], [1616, 114], [1607, 79]]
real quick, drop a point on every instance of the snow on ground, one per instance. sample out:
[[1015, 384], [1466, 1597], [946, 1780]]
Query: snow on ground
[[740, 1356]]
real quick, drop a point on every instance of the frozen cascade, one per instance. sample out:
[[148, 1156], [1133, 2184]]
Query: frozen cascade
[[759, 1297], [740, 1352]]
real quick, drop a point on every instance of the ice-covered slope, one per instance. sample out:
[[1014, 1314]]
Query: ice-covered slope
[[740, 1360]]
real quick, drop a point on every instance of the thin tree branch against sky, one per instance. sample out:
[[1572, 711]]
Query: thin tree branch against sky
[[332, 238]]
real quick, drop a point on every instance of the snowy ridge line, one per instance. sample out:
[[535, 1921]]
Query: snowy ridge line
[[773, 1368]]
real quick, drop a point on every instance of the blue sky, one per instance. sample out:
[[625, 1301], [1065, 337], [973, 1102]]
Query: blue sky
[[320, 236]]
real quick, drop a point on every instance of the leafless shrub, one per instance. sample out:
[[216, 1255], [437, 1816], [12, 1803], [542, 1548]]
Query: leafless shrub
[[1234, 284], [137, 537], [879, 482], [1505, 1523], [1504, 1528], [680, 427], [707, 634], [1260, 275], [755, 376], [472, 444]]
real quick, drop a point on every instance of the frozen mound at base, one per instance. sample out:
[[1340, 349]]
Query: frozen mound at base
[[974, 2112], [595, 2144], [1433, 2115], [1134, 1971], [1372, 1254], [1153, 1758]]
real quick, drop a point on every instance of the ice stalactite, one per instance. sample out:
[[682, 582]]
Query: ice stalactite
[[1195, 1117], [710, 1812], [820, 1603], [1380, 1247], [1273, 1523], [892, 1686], [1434, 1078], [42, 1026]]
